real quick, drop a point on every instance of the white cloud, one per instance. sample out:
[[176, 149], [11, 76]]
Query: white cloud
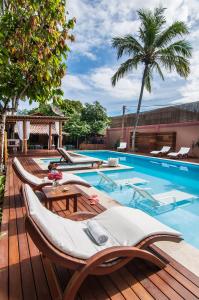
[[126, 88], [97, 23], [73, 83]]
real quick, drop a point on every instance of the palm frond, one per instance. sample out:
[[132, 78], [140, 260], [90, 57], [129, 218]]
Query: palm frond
[[151, 24], [155, 66], [178, 28], [126, 45], [181, 47], [125, 68], [178, 63]]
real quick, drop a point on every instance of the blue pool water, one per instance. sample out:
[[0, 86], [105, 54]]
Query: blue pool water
[[162, 176]]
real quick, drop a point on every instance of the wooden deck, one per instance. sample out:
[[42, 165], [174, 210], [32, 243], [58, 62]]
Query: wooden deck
[[24, 274]]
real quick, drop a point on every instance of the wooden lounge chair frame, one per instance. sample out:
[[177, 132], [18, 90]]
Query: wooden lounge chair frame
[[40, 186], [66, 159], [104, 262]]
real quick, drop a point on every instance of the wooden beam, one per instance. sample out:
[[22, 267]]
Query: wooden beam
[[25, 144], [60, 134], [50, 137]]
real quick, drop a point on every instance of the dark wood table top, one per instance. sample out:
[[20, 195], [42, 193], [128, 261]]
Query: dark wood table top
[[60, 192]]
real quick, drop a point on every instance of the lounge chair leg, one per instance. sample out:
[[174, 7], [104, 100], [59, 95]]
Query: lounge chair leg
[[80, 275], [74, 285]]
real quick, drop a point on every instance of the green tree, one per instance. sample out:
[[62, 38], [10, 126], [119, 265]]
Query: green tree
[[156, 46], [77, 128], [33, 53], [95, 115], [69, 107], [66, 107]]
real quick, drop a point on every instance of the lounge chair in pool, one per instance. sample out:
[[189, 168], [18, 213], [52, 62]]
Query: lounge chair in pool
[[38, 183], [170, 198], [182, 153], [122, 146], [67, 241], [77, 159], [163, 151], [119, 183]]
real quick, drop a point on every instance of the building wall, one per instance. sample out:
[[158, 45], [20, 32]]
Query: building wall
[[187, 133]]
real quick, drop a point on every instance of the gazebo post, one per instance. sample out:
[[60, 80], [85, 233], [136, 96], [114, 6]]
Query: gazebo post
[[50, 137], [60, 134], [25, 145]]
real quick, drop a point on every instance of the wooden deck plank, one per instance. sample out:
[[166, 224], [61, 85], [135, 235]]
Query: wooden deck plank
[[15, 285], [29, 277], [4, 262]]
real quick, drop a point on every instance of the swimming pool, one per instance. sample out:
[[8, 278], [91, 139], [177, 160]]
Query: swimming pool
[[162, 176]]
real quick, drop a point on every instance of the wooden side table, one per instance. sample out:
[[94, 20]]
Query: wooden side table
[[63, 192]]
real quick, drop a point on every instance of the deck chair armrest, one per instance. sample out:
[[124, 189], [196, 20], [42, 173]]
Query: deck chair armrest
[[81, 215]]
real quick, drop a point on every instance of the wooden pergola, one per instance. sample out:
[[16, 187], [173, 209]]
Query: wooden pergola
[[35, 119]]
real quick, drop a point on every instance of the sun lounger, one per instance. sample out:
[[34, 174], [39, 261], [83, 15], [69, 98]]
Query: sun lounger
[[67, 243], [38, 183], [119, 183], [163, 151], [182, 153], [76, 160], [122, 146], [163, 199]]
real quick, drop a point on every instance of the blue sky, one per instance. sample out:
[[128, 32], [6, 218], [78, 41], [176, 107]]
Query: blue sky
[[92, 61]]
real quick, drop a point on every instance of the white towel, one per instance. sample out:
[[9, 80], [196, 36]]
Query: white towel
[[97, 232]]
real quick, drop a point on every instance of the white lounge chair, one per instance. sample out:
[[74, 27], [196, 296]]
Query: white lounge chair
[[119, 183], [77, 159], [159, 200], [122, 146], [182, 153], [67, 242], [38, 183], [164, 150]]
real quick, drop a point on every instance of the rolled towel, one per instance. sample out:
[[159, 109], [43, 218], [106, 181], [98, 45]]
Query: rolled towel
[[97, 232]]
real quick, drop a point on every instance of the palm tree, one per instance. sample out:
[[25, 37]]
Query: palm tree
[[155, 47]]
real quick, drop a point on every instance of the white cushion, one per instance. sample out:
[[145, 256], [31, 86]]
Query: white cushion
[[69, 176], [67, 235], [155, 152], [37, 181], [124, 226], [129, 226], [76, 160], [80, 158], [30, 177]]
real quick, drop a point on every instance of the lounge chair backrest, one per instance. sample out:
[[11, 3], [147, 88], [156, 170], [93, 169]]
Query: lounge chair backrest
[[184, 150], [107, 179], [123, 145], [144, 193], [165, 149], [25, 175], [65, 154]]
